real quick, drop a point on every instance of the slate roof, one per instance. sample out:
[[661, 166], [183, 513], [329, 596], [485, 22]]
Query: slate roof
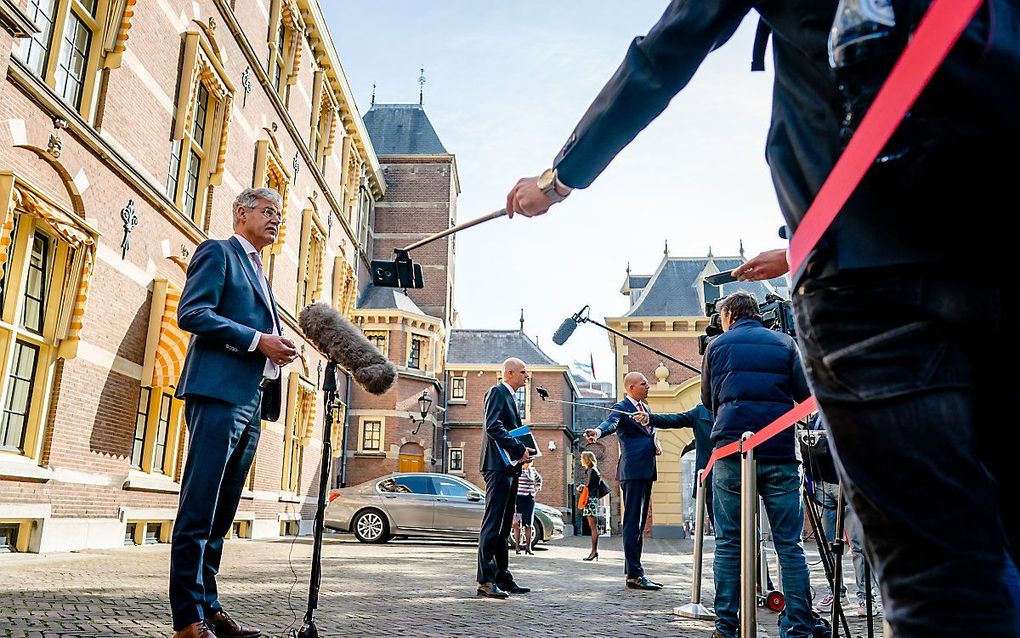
[[677, 287], [494, 347], [402, 129], [378, 298]]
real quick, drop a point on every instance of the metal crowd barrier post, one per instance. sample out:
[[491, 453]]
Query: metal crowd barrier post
[[748, 543], [695, 609]]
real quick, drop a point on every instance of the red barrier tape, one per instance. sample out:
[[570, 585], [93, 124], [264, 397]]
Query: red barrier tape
[[931, 42], [799, 411]]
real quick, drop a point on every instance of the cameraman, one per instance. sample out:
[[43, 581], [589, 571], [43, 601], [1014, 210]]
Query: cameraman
[[750, 376]]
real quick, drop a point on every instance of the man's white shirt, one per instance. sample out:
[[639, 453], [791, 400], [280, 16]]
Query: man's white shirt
[[271, 371]]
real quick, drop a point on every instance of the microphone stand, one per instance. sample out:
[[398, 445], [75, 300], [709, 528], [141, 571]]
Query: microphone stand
[[329, 397], [585, 318]]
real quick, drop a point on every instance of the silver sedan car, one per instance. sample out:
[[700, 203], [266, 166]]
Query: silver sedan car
[[420, 504]]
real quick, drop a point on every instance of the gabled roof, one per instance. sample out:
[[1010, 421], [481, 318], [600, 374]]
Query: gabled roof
[[402, 129], [488, 347], [677, 287]]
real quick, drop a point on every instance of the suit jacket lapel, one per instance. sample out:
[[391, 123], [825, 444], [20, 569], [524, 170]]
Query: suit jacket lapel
[[253, 278]]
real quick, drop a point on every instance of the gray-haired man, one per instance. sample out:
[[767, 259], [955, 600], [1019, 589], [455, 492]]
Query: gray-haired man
[[235, 353]]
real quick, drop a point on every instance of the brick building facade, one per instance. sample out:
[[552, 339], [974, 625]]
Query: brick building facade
[[473, 366], [126, 130]]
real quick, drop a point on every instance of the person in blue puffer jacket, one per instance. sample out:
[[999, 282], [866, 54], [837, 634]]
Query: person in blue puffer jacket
[[750, 376]]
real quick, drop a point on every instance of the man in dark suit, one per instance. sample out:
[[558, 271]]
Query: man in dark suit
[[636, 471], [502, 458], [235, 354]]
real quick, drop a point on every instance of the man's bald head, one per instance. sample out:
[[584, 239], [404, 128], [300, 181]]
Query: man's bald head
[[515, 373], [636, 385]]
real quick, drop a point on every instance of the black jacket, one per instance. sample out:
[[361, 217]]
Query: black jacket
[[699, 419], [750, 376], [905, 211], [501, 416]]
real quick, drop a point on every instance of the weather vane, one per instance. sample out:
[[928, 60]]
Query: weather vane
[[421, 89]]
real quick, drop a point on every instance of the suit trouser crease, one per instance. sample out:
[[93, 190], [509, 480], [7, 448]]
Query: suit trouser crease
[[497, 521], [222, 444], [637, 496]]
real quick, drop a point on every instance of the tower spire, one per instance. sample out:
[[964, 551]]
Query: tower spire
[[522, 319], [421, 86], [373, 93]]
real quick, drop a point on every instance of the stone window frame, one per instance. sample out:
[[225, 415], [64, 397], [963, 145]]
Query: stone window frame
[[362, 421], [449, 456], [60, 332], [385, 338], [311, 259], [202, 68], [159, 378], [169, 464], [107, 26], [463, 388], [272, 172], [286, 28], [300, 418], [325, 113]]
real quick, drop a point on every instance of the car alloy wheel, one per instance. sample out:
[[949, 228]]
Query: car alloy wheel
[[370, 527]]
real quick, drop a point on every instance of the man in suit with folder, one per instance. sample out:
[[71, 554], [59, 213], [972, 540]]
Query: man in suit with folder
[[636, 471], [502, 458], [230, 382]]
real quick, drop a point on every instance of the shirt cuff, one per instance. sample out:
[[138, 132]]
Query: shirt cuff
[[255, 342]]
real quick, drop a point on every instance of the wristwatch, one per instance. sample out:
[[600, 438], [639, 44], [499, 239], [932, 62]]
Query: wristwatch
[[547, 184]]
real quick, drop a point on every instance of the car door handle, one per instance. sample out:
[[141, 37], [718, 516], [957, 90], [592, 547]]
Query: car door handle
[[443, 500]]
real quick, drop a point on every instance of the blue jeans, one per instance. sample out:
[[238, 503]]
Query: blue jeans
[[906, 364], [779, 488], [825, 493]]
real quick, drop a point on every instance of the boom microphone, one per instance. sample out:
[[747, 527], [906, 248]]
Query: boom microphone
[[343, 343], [564, 331]]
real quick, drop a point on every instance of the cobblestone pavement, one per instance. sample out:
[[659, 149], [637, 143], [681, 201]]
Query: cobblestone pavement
[[403, 588]]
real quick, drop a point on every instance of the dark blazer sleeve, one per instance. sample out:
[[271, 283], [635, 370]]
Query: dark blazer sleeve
[[610, 424], [673, 421], [498, 417], [706, 380], [200, 300], [655, 68]]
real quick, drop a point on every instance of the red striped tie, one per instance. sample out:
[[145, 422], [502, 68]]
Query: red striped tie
[[641, 408]]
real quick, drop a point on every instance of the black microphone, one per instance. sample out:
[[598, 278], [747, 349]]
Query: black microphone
[[565, 330], [343, 343]]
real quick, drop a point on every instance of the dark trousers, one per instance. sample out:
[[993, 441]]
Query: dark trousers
[[637, 496], [223, 440], [912, 370], [498, 518]]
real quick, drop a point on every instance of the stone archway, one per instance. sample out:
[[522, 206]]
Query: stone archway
[[412, 458]]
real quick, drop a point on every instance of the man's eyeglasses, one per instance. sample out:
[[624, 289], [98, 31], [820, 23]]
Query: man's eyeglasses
[[269, 212]]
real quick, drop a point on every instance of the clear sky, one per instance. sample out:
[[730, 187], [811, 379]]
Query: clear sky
[[506, 84]]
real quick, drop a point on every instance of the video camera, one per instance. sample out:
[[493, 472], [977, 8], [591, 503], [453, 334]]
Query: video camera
[[775, 312]]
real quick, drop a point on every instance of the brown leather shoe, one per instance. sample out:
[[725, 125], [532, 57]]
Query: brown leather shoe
[[227, 627], [196, 630]]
